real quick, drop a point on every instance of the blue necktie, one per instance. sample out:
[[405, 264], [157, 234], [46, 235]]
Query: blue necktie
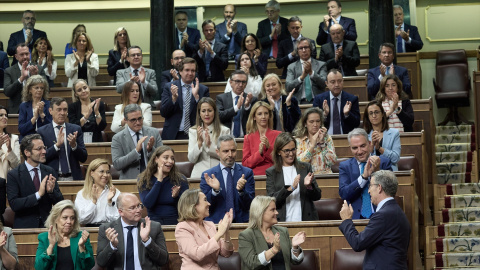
[[229, 200], [208, 59], [336, 117], [399, 44], [130, 261], [231, 46], [236, 120], [63, 154], [366, 204]]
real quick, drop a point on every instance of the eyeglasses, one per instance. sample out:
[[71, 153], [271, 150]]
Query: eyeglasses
[[239, 82], [288, 151], [270, 11], [179, 58], [139, 119], [136, 55], [103, 172], [40, 148], [303, 48], [135, 207], [374, 113], [371, 185]]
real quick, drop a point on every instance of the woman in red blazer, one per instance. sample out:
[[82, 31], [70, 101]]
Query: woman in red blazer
[[258, 143]]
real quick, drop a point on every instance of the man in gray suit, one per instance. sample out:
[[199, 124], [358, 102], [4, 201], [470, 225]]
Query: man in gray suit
[[16, 76], [136, 72], [145, 246], [132, 147], [307, 75]]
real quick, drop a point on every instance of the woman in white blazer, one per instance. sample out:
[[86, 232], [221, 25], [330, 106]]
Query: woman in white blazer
[[83, 63], [130, 95], [9, 146], [202, 138]]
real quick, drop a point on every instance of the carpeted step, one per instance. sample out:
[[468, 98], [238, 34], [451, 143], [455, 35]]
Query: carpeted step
[[457, 259], [462, 129], [459, 244], [454, 138], [454, 167], [459, 229], [454, 178], [455, 147], [461, 214], [464, 156], [467, 188], [462, 201]]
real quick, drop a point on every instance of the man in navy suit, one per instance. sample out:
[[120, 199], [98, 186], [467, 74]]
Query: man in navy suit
[[375, 75], [27, 35], [355, 173], [272, 30], [179, 117], [344, 116], [186, 38], [286, 48], [32, 188], [64, 142], [340, 53], [228, 185], [3, 65], [231, 32], [408, 38], [335, 17], [173, 74], [212, 55], [387, 235]]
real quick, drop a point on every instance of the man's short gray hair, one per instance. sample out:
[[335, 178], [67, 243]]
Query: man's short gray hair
[[225, 138], [131, 108], [387, 180], [274, 4], [357, 132], [310, 44], [398, 6]]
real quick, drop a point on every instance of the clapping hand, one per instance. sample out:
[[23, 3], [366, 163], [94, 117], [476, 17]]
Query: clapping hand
[[111, 193], [225, 222], [288, 101], [83, 239], [347, 211], [72, 139], [376, 138], [174, 90], [50, 183], [326, 109], [195, 89], [296, 181], [141, 75], [212, 181], [241, 183], [3, 239], [5, 139], [112, 236], [347, 108], [150, 143], [175, 191], [145, 229], [308, 179], [174, 74], [298, 239]]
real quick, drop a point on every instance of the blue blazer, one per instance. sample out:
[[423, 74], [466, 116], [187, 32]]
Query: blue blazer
[[74, 157], [417, 43], [348, 25], [353, 119], [4, 60], [242, 202], [218, 64], [373, 83], [18, 37], [392, 146], [25, 126], [221, 31], [348, 187], [193, 38], [173, 112], [385, 239]]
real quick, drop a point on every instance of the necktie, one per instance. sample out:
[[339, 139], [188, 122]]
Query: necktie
[[294, 44], [180, 37], [36, 179], [340, 66], [400, 44], [231, 46], [208, 60], [387, 70], [63, 154], [142, 155], [187, 99], [366, 204], [229, 200], [135, 72], [308, 88], [236, 120], [129, 256], [274, 43], [336, 117]]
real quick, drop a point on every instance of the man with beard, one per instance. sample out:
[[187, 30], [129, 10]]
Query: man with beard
[[173, 74], [231, 32]]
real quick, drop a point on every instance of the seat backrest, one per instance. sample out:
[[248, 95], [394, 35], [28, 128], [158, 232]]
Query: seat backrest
[[8, 217], [337, 164], [348, 259], [309, 261], [328, 209], [104, 136], [452, 71], [114, 173], [185, 168], [233, 262]]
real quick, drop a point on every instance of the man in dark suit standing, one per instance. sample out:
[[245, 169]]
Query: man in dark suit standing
[[287, 48], [234, 107], [186, 38], [27, 35], [143, 247], [64, 141], [408, 38], [228, 185], [231, 32], [179, 102], [355, 173], [30, 198], [16, 76], [334, 16], [340, 109], [387, 235], [272, 30], [376, 74], [173, 74], [340, 53], [212, 55]]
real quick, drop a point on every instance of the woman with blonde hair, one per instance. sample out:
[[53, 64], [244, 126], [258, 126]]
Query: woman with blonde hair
[[257, 144], [266, 246], [130, 95], [160, 186], [64, 246], [69, 48], [203, 136], [96, 200], [33, 112], [286, 111], [314, 145], [43, 56], [87, 112], [117, 57], [199, 242], [83, 63]]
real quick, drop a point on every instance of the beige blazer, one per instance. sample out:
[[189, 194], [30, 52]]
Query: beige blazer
[[11, 160]]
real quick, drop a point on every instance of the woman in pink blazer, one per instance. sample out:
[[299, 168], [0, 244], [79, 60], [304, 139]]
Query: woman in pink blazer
[[199, 243], [258, 143]]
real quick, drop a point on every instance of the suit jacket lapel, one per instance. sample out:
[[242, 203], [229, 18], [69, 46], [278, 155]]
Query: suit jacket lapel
[[180, 94], [354, 168], [25, 174], [128, 138], [121, 245]]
